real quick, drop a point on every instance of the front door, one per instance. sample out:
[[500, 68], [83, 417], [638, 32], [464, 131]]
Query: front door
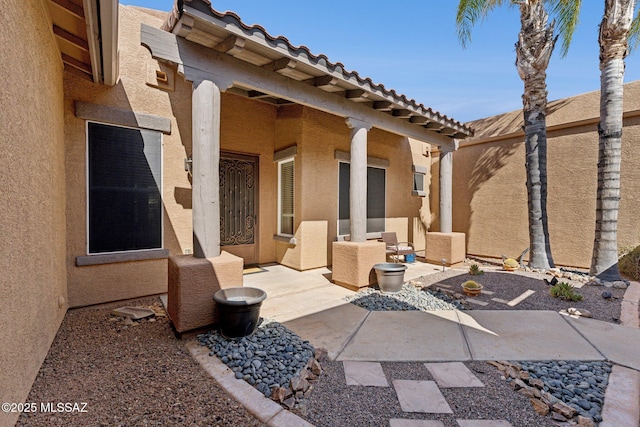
[[239, 205]]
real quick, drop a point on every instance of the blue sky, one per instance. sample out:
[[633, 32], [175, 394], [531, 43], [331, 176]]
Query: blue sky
[[411, 46]]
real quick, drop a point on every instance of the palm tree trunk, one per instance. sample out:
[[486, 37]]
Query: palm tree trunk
[[614, 31], [533, 50]]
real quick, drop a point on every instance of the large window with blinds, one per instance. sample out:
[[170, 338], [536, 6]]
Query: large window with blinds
[[124, 188], [286, 173], [376, 194]]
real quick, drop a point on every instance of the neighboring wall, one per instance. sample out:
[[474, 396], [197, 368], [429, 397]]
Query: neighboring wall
[[490, 196], [32, 226]]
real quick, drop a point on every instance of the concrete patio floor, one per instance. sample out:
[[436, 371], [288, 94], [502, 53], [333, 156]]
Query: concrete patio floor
[[293, 294]]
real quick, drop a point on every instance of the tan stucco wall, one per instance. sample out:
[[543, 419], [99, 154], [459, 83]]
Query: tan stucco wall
[[246, 127], [317, 182], [490, 196], [249, 127], [109, 282], [32, 226]]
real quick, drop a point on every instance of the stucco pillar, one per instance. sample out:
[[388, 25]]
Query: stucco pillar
[[446, 190], [205, 169], [358, 179]]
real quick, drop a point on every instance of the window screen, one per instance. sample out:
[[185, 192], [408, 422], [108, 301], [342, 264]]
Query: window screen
[[286, 197], [125, 203], [376, 193], [418, 181]]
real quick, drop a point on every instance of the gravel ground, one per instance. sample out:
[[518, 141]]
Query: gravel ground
[[333, 403], [140, 374], [509, 285], [128, 375]]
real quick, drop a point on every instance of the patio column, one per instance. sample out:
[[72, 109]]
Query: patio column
[[446, 184], [205, 124], [358, 179]]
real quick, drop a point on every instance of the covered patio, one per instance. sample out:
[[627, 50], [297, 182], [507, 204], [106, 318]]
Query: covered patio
[[218, 53]]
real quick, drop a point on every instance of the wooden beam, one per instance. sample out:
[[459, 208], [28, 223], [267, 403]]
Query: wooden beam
[[357, 95], [434, 126], [401, 113], [448, 131], [256, 94], [71, 38], [383, 105], [323, 81], [232, 45], [280, 65], [419, 120], [83, 66], [71, 7], [75, 71], [196, 62]]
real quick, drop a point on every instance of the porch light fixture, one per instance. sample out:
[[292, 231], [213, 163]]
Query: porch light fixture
[[188, 165]]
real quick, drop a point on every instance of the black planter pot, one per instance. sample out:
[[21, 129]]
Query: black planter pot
[[239, 310]]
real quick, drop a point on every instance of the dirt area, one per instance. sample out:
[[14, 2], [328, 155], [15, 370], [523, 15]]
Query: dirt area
[[128, 374], [508, 286]]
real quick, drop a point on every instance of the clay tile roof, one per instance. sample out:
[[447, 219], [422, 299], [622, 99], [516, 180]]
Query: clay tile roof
[[296, 52]]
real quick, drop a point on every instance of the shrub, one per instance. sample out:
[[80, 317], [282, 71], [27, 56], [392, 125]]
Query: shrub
[[470, 284], [629, 263], [565, 291], [511, 263], [475, 270]]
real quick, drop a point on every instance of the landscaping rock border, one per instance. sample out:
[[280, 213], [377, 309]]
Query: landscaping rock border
[[564, 390]]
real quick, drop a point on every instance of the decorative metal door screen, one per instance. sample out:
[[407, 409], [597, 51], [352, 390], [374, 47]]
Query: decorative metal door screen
[[238, 184]]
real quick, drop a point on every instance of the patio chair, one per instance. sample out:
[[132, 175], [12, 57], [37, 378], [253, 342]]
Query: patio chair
[[395, 248]]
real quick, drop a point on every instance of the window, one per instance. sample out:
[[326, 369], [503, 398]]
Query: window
[[376, 193], [124, 188], [286, 169], [418, 181]]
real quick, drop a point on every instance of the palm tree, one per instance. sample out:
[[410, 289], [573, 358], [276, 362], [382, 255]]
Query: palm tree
[[617, 28], [535, 44]]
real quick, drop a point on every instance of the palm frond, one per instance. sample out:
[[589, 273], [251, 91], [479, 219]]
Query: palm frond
[[469, 13], [634, 31], [566, 14]]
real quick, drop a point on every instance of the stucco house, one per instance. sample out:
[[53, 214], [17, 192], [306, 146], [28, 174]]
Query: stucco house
[[143, 151]]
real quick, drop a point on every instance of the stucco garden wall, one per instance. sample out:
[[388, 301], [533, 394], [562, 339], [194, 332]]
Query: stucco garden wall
[[32, 226], [490, 196]]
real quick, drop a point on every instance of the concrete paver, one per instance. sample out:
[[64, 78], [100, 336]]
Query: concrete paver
[[398, 422], [622, 398], [330, 329], [524, 335], [405, 336], [453, 374], [619, 344], [364, 374], [629, 306], [421, 396]]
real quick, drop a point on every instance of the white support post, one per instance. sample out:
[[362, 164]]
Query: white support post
[[358, 179], [205, 168], [446, 184]]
